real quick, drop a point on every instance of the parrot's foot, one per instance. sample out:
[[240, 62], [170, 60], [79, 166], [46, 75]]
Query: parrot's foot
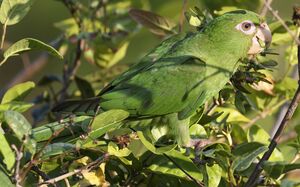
[[198, 144]]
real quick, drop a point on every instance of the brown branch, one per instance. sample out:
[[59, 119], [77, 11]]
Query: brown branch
[[86, 168], [19, 155], [252, 181], [36, 156], [275, 14], [181, 18], [69, 71], [264, 10]]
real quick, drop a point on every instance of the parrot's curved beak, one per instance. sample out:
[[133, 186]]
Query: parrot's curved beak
[[261, 40]]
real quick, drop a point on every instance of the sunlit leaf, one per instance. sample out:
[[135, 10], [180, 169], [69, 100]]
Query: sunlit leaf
[[232, 115], [103, 123], [155, 23], [109, 117], [170, 165], [137, 148], [7, 153], [28, 44], [14, 106], [18, 92], [4, 180], [113, 149], [13, 11], [21, 127], [197, 131], [151, 147], [214, 174]]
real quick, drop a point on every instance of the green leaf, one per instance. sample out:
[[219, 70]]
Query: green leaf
[[4, 180], [13, 11], [197, 131], [137, 148], [15, 106], [151, 147], [119, 55], [276, 169], [258, 134], [68, 26], [21, 127], [28, 44], [238, 134], [57, 149], [85, 87], [71, 126], [103, 123], [105, 57], [214, 173], [113, 149], [233, 115], [241, 163], [109, 117], [155, 23], [7, 153], [165, 165], [18, 92]]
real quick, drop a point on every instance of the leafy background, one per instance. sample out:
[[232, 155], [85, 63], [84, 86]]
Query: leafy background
[[240, 122]]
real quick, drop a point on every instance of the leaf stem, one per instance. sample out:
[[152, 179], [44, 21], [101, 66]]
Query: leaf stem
[[3, 36]]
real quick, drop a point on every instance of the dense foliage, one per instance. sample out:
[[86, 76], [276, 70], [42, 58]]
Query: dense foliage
[[102, 150]]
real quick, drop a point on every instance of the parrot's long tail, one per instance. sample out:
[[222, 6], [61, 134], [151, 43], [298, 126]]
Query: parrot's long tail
[[80, 107]]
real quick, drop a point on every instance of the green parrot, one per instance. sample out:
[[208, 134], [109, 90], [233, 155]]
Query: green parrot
[[176, 78]]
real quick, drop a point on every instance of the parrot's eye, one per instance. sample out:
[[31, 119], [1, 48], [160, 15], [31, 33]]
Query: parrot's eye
[[246, 27]]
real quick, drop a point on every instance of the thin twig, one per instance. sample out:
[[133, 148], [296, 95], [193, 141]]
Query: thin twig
[[19, 155], [264, 10], [36, 156], [69, 71], [252, 181], [275, 14], [3, 34], [86, 168], [181, 18], [264, 114]]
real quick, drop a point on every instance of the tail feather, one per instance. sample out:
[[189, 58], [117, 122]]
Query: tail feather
[[79, 107]]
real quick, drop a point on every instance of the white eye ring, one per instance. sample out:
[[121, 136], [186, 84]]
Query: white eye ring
[[246, 27]]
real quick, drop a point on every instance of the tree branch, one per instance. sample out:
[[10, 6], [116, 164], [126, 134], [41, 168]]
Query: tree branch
[[275, 14], [69, 71], [87, 168], [252, 181], [264, 10]]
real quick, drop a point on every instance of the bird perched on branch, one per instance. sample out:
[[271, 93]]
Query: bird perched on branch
[[177, 77]]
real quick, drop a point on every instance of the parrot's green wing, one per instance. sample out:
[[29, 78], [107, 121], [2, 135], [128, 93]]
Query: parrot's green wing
[[147, 60], [170, 85]]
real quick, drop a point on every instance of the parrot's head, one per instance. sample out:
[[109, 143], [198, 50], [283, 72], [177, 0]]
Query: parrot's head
[[241, 30]]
